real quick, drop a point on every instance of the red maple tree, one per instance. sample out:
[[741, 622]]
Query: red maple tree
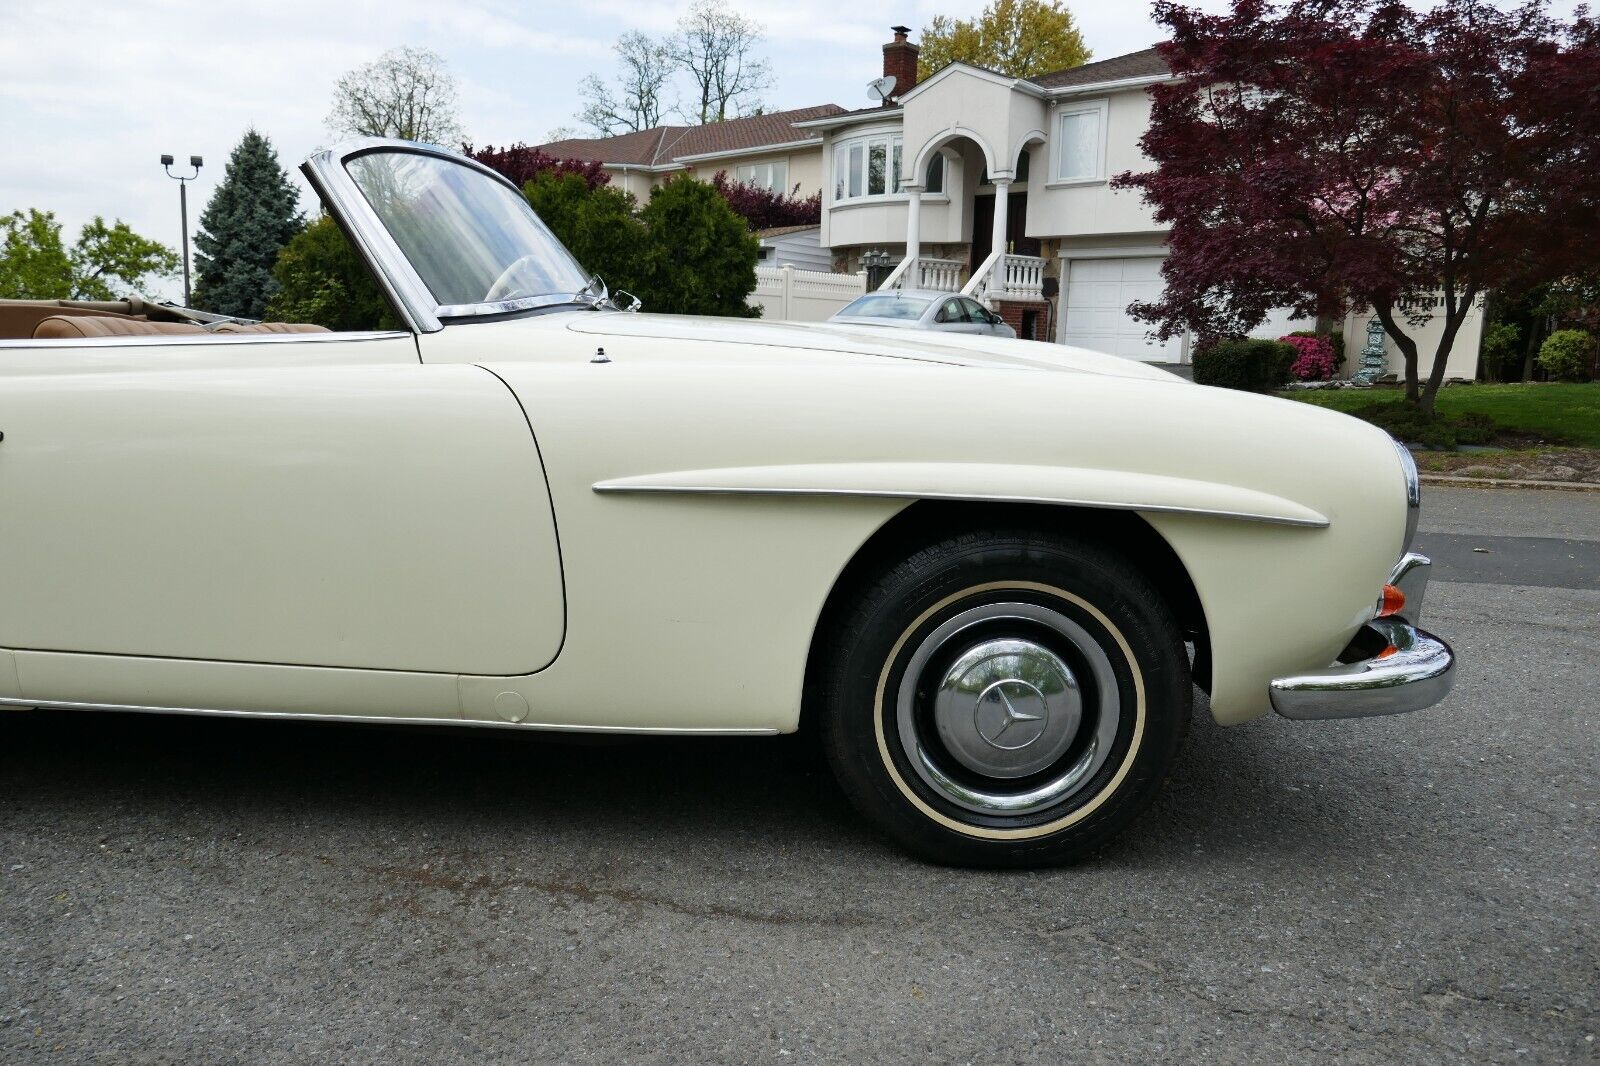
[[1321, 155], [766, 209], [522, 164]]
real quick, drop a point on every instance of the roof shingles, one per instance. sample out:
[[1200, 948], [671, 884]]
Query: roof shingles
[[664, 145], [1145, 64]]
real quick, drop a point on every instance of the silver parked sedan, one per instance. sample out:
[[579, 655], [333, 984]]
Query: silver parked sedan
[[947, 312]]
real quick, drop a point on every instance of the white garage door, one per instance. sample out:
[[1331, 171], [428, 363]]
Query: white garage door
[[1096, 316]]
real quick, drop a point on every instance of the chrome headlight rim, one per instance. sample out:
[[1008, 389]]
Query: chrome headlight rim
[[1413, 481]]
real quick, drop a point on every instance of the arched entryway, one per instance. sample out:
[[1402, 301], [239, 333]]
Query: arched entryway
[[1002, 261], [984, 217]]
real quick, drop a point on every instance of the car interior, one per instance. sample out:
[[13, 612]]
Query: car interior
[[72, 320]]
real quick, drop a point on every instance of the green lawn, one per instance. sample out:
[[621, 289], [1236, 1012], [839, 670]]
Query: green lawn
[[1557, 412]]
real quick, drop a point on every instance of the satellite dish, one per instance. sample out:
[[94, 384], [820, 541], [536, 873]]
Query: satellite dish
[[881, 88]]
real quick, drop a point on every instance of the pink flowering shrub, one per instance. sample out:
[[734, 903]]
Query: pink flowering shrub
[[1314, 360]]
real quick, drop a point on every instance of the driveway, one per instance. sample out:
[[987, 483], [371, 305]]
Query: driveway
[[1415, 888]]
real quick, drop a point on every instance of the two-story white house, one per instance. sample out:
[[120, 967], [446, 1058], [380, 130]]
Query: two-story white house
[[1000, 187]]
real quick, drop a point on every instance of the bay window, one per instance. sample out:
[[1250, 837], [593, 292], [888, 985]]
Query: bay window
[[877, 165], [867, 167]]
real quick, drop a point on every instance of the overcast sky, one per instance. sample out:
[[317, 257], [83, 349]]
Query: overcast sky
[[93, 93]]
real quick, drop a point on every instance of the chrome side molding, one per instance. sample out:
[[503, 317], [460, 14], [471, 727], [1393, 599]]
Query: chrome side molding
[[958, 497], [18, 703]]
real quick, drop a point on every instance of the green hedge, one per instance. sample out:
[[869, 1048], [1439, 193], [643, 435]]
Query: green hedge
[[1247, 365], [1407, 422]]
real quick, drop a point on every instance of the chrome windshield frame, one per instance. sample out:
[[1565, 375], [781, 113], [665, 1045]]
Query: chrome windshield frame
[[399, 280]]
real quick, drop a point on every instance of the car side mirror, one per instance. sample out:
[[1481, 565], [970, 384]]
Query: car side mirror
[[994, 319]]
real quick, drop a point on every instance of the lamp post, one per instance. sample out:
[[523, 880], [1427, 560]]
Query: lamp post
[[183, 211], [876, 264]]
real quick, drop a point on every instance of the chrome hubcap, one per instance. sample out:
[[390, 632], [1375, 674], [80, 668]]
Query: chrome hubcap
[[1008, 708], [990, 697]]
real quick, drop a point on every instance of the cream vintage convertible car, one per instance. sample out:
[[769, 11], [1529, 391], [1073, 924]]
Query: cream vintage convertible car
[[988, 572]]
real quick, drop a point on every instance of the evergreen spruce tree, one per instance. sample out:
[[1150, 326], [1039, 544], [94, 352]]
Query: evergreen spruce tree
[[249, 219]]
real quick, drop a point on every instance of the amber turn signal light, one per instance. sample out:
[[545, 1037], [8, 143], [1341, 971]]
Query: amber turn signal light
[[1392, 602]]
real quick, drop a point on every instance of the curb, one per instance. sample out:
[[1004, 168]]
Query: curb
[[1508, 483]]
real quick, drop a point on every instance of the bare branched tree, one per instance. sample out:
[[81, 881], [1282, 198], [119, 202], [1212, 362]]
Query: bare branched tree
[[714, 46], [407, 93], [637, 102]]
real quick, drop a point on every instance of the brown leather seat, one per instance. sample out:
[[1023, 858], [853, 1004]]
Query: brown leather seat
[[77, 327], [18, 320], [269, 327], [74, 327]]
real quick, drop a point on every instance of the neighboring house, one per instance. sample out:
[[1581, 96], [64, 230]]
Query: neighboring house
[[769, 151], [999, 187], [796, 246]]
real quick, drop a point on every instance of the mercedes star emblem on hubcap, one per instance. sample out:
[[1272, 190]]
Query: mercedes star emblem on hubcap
[[993, 715], [1011, 714], [1006, 707]]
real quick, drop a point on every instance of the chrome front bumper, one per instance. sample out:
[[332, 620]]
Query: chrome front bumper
[[1411, 670]]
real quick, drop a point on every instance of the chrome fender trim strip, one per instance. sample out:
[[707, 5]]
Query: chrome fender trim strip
[[1120, 496], [292, 716], [983, 483], [964, 497]]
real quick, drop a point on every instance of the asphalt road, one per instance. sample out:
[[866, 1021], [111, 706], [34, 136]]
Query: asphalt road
[[1420, 888]]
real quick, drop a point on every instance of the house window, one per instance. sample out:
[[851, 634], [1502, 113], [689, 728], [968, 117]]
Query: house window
[[865, 167], [773, 177], [1080, 143], [935, 175]]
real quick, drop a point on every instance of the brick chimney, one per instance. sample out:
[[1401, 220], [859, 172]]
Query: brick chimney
[[900, 62]]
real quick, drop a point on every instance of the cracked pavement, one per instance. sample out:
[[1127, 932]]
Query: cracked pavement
[[1418, 888]]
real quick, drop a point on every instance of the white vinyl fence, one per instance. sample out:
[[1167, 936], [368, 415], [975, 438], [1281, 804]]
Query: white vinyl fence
[[786, 294]]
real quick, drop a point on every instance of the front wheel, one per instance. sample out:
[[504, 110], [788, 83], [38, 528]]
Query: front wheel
[[1005, 699]]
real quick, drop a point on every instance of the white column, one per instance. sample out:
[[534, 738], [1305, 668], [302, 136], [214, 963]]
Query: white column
[[913, 221], [1002, 187]]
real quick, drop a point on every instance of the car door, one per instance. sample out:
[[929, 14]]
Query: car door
[[324, 502], [979, 316], [952, 317]]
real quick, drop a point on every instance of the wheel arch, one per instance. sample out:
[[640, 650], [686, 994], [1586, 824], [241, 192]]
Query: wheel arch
[[926, 521]]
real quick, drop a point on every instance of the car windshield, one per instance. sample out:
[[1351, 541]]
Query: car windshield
[[886, 305], [471, 239]]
